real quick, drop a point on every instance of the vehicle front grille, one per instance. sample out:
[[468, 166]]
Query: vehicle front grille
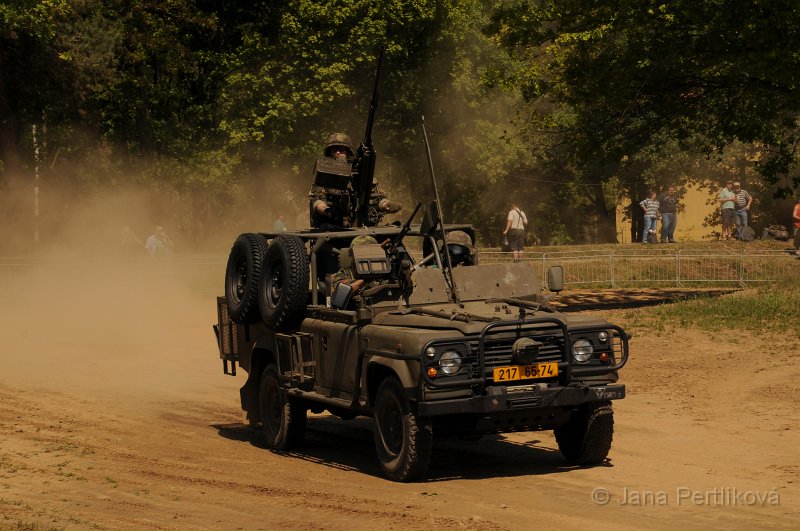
[[498, 346]]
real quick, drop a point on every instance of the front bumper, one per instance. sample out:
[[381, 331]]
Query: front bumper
[[501, 399]]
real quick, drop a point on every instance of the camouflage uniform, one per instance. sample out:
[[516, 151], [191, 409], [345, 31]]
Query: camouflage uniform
[[380, 205], [332, 207], [335, 204]]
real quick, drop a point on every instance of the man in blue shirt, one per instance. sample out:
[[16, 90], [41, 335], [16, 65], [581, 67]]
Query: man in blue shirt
[[650, 208], [742, 207]]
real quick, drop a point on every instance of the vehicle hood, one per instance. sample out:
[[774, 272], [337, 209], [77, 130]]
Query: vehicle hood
[[470, 317]]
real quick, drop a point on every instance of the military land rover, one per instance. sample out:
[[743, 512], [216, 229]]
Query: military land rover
[[361, 320], [478, 352]]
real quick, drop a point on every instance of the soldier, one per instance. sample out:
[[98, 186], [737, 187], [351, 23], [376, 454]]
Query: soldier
[[330, 206], [332, 203], [346, 276], [460, 247]]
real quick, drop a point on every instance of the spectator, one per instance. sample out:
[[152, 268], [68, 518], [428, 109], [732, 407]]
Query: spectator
[[158, 244], [727, 198], [650, 209], [796, 222], [515, 229], [668, 207], [279, 225], [743, 201]]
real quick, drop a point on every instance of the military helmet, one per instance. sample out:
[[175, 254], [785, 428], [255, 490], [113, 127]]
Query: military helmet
[[363, 239], [460, 237], [460, 247], [339, 140]]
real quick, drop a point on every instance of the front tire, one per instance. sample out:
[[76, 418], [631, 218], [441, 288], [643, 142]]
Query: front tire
[[283, 419], [586, 438], [403, 440]]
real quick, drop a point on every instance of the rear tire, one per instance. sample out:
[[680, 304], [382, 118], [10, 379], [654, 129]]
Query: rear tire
[[283, 288], [403, 440], [283, 418], [586, 438], [242, 275]]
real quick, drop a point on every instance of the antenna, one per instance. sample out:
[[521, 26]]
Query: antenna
[[449, 269]]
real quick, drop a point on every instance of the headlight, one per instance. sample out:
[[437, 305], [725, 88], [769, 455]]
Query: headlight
[[582, 350], [430, 352], [450, 362], [602, 336]]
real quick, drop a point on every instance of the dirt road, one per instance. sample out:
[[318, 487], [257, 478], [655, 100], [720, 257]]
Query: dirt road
[[114, 413]]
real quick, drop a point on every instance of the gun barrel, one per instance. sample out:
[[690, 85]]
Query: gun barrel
[[373, 105], [365, 157]]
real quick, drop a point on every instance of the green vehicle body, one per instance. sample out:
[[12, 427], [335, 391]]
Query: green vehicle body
[[516, 370]]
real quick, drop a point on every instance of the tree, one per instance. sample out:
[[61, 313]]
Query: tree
[[26, 26], [609, 78]]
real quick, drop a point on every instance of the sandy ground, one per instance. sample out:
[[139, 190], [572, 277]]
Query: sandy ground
[[114, 413]]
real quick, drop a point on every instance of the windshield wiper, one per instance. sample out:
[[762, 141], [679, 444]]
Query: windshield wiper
[[464, 317]]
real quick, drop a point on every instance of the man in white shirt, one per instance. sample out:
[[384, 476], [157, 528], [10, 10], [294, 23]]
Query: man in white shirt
[[515, 229], [727, 200]]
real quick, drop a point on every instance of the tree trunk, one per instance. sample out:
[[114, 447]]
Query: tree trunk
[[635, 214], [606, 217], [9, 152]]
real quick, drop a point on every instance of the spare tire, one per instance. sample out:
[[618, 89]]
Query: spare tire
[[283, 288], [242, 274]]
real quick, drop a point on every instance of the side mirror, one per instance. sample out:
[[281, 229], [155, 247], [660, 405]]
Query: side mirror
[[341, 296], [555, 278]]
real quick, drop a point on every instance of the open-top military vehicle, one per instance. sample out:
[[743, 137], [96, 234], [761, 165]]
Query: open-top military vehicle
[[423, 345], [479, 353]]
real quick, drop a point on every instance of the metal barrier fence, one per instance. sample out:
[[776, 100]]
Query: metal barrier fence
[[658, 268], [582, 269]]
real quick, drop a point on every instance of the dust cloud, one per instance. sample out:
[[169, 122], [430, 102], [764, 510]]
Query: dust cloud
[[86, 313], [116, 326]]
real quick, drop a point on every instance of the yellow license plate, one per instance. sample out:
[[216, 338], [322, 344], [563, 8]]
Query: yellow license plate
[[525, 372]]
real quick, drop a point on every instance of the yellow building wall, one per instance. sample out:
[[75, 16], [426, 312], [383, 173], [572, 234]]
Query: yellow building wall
[[689, 226]]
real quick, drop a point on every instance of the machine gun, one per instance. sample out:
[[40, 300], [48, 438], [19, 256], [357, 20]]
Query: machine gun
[[398, 257], [385, 265], [395, 242], [364, 163]]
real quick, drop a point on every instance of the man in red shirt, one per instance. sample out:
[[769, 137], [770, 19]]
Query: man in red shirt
[[796, 221]]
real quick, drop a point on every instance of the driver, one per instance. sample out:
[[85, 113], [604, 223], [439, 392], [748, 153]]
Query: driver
[[460, 248]]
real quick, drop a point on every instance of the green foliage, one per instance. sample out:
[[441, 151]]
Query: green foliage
[[565, 106], [635, 72], [34, 17]]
